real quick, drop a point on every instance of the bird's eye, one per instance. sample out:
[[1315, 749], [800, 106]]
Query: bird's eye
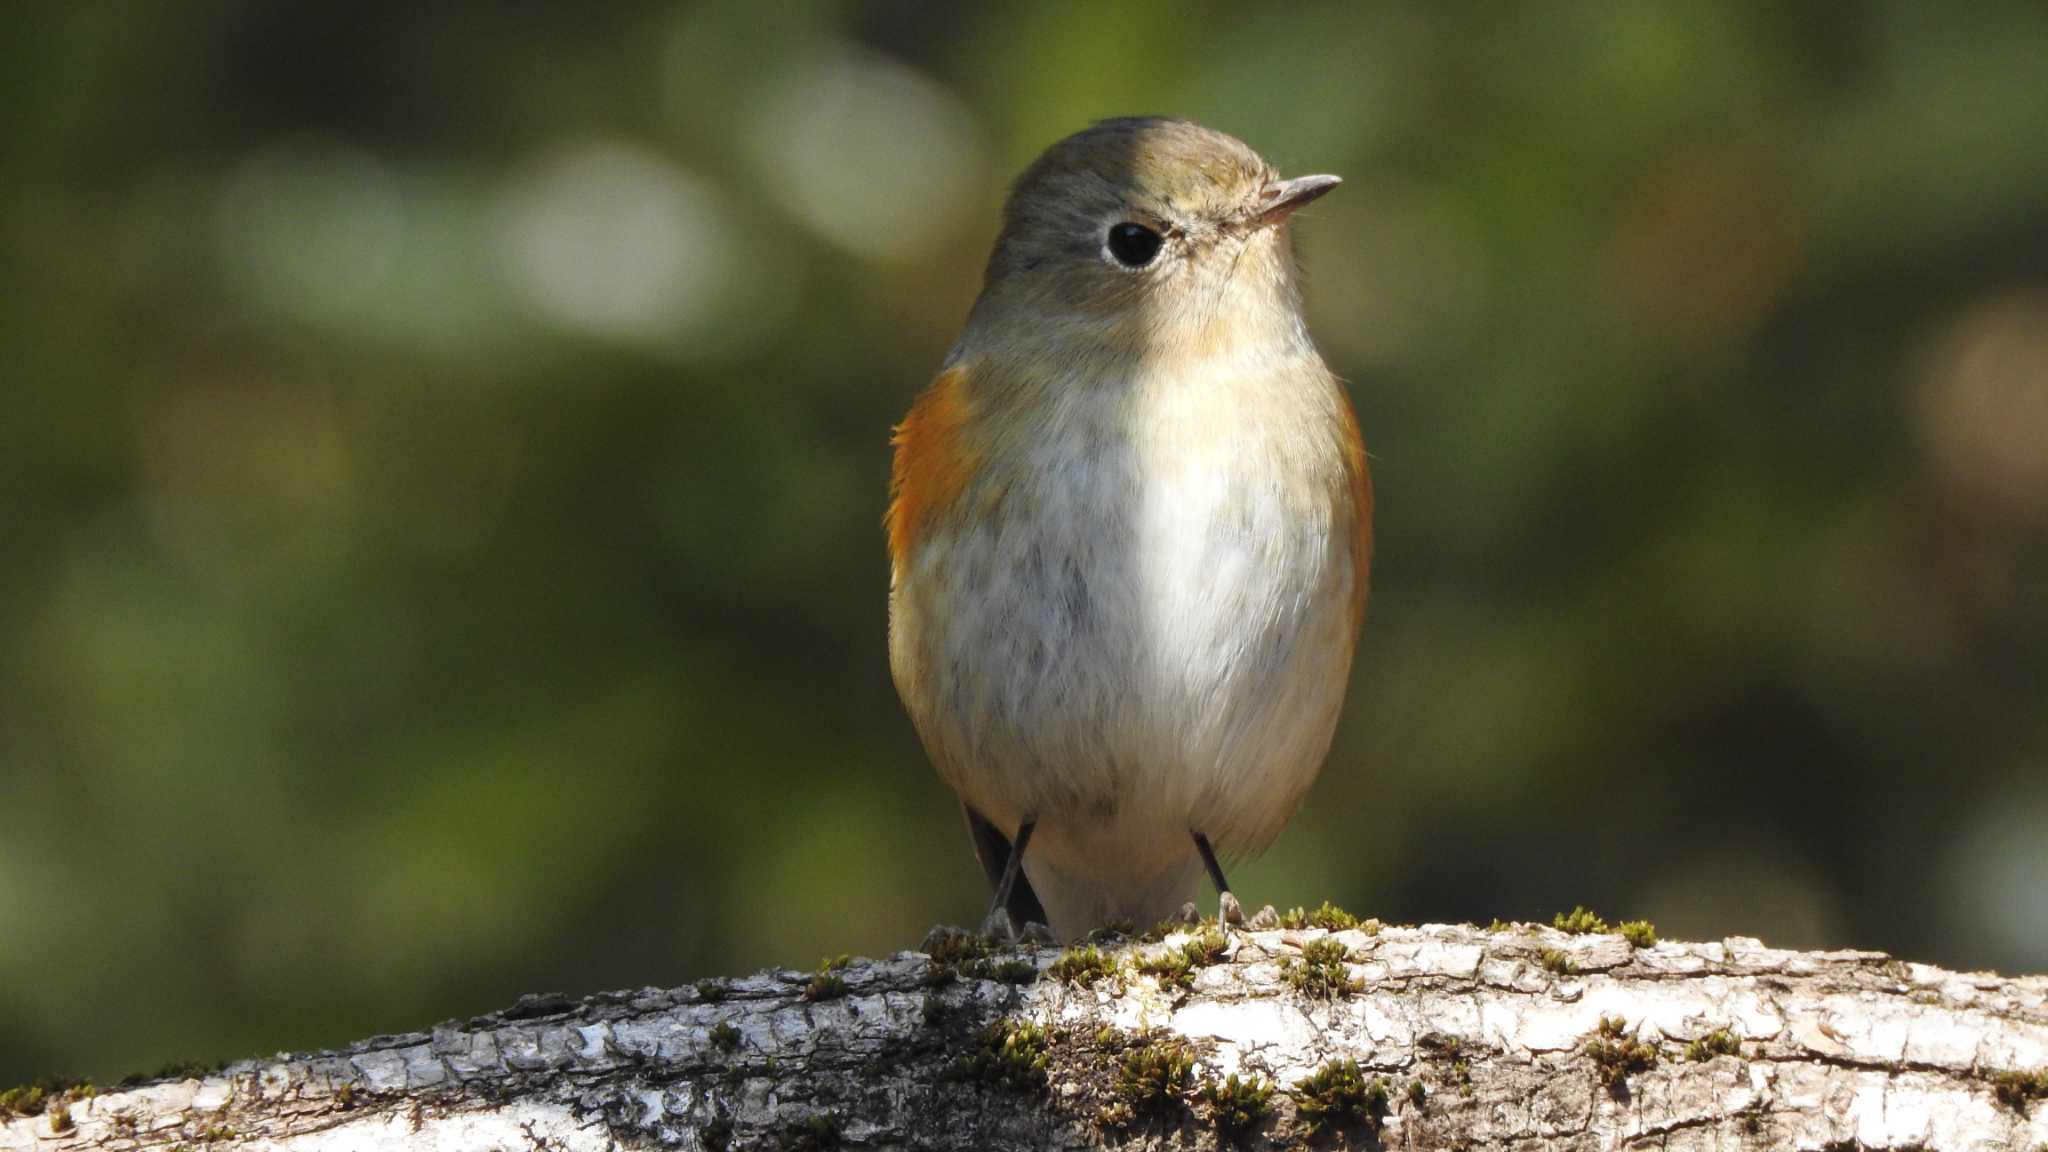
[[1133, 245]]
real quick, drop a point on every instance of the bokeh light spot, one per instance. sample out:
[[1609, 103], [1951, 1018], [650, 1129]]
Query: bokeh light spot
[[609, 239], [1984, 402], [309, 227], [874, 157], [1998, 871]]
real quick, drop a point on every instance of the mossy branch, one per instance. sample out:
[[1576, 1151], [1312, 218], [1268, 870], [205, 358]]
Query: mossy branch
[[1331, 1033]]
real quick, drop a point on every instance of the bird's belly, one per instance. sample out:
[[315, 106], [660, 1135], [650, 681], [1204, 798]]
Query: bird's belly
[[1130, 659]]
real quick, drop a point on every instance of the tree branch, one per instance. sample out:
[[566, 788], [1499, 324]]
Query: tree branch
[[1527, 1038]]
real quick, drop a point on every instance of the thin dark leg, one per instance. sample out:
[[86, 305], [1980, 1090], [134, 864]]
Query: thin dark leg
[[1228, 911], [992, 851], [1209, 862], [1012, 866]]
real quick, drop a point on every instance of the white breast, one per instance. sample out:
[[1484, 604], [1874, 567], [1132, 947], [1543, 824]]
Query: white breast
[[1247, 588]]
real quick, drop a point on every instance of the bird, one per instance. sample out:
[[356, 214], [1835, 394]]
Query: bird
[[1130, 532]]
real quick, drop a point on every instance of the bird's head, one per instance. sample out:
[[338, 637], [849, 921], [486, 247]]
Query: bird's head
[[1147, 228]]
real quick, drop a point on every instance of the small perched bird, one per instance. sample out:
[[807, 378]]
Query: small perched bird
[[1129, 531]]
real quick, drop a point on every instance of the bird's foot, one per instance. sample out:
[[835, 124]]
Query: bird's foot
[[998, 927]]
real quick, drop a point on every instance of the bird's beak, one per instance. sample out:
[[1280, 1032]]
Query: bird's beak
[[1280, 198]]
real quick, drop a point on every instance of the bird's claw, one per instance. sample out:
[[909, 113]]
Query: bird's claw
[[999, 927]]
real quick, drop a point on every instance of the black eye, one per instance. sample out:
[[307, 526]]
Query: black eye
[[1133, 245]]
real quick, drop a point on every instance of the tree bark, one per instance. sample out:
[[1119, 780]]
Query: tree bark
[[1524, 1038]]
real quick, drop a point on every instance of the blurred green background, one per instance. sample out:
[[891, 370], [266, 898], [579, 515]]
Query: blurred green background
[[443, 452]]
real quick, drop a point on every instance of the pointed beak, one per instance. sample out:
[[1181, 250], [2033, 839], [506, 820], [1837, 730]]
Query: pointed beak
[[1282, 197]]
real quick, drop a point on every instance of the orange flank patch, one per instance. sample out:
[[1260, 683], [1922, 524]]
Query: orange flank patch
[[1360, 478], [934, 462]]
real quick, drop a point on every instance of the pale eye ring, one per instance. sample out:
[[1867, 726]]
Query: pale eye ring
[[1132, 245]]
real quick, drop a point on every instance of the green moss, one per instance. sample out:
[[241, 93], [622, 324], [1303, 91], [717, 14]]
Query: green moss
[[1457, 1069], [1150, 1081], [1009, 1053], [952, 947], [1119, 928], [1321, 969], [1418, 1096], [725, 1036], [1082, 966], [1174, 926], [828, 984], [1174, 967], [60, 1117], [1719, 1042], [1237, 1105], [177, 1070], [2018, 1090], [24, 1099], [711, 991], [1012, 970], [1581, 922], [345, 1096], [1338, 1095], [45, 1094], [1558, 962], [1205, 947], [1170, 968], [1327, 916], [955, 954], [825, 986], [1615, 1056], [1500, 925]]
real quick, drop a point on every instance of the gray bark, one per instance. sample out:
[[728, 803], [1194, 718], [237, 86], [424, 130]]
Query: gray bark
[[1484, 1040]]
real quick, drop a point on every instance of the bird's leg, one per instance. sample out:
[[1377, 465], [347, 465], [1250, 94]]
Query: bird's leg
[[1228, 911], [998, 925]]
